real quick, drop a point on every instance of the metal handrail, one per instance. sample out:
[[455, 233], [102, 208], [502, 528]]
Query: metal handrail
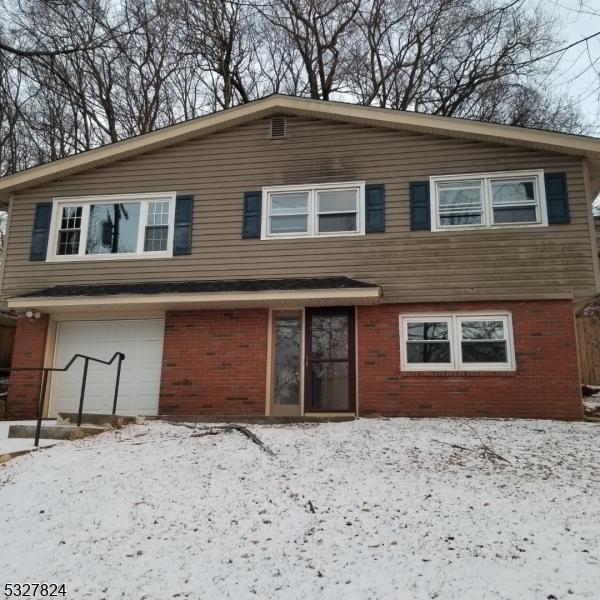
[[87, 359]]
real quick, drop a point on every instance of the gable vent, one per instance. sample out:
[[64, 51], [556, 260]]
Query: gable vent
[[278, 127]]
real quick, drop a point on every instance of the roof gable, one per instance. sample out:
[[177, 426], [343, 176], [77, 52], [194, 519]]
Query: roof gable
[[335, 111]]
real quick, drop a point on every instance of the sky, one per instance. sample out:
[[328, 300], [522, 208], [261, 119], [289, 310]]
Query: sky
[[576, 74]]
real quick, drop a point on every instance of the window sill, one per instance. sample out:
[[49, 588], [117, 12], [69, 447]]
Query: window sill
[[319, 236], [492, 228], [105, 257], [459, 374]]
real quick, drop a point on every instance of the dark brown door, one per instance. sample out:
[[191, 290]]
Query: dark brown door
[[329, 360]]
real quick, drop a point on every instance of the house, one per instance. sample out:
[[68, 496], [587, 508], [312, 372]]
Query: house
[[294, 257]]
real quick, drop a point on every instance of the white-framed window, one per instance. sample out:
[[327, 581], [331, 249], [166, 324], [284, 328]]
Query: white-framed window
[[111, 227], [480, 200], [319, 210], [457, 342]]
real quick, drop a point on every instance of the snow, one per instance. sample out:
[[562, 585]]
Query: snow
[[13, 444], [152, 513], [591, 404]]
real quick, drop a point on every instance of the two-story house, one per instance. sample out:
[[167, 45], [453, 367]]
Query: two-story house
[[297, 257]]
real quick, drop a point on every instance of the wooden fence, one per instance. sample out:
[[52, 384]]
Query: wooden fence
[[588, 345]]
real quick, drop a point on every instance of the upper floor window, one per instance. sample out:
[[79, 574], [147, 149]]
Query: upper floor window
[[514, 199], [313, 210], [125, 226]]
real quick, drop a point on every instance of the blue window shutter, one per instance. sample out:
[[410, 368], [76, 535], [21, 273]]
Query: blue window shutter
[[182, 239], [375, 208], [41, 229], [420, 214], [251, 219], [557, 198]]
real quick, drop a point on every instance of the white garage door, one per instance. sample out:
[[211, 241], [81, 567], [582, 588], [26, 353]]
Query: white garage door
[[141, 341]]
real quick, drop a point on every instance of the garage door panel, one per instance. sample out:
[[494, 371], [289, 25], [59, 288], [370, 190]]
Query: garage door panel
[[140, 340]]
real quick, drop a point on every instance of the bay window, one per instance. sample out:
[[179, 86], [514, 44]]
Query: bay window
[[456, 342], [512, 199], [125, 226]]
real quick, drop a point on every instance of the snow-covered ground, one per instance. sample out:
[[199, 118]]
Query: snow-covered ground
[[372, 509], [13, 444]]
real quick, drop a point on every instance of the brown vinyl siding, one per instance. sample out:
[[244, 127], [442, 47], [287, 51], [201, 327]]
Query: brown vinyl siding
[[410, 266]]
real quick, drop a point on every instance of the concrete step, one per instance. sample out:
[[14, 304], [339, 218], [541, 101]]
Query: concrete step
[[114, 421], [257, 419], [55, 432]]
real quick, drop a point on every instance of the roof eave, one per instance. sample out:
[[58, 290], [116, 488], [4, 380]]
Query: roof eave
[[202, 300]]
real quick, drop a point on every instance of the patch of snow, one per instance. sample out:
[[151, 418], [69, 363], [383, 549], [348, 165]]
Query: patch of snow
[[370, 509], [591, 404], [14, 444]]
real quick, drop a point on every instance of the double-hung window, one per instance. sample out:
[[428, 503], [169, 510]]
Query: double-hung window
[[313, 210], [125, 226], [513, 199], [457, 342]]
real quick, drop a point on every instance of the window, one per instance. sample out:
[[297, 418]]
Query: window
[[483, 341], [69, 232], [460, 203], [288, 213], [127, 226], [456, 342], [514, 200], [313, 211], [156, 237], [428, 342], [113, 228], [488, 200]]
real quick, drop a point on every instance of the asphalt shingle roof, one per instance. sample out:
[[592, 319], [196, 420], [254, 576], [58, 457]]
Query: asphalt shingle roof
[[192, 287]]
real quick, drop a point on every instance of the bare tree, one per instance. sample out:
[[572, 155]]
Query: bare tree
[[218, 33], [75, 74], [318, 30]]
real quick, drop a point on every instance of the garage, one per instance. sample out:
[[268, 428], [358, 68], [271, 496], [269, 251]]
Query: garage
[[140, 340]]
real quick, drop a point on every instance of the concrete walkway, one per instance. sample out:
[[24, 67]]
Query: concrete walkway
[[16, 445]]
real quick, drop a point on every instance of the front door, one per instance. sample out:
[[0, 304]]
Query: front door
[[329, 360]]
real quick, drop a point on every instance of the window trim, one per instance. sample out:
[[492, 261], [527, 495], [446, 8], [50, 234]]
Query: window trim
[[59, 203], [312, 189], [488, 213], [456, 363]]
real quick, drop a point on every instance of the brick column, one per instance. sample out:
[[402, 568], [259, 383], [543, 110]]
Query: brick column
[[28, 351]]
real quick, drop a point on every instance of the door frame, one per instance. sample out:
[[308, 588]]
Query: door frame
[[350, 312]]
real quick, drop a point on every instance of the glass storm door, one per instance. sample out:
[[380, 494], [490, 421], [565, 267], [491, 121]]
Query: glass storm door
[[287, 364], [329, 361]]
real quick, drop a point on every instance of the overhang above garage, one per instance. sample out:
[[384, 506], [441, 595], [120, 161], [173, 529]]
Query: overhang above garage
[[186, 295]]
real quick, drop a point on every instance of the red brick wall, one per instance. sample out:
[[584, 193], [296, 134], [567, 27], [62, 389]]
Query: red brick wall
[[214, 362], [545, 385], [28, 351]]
